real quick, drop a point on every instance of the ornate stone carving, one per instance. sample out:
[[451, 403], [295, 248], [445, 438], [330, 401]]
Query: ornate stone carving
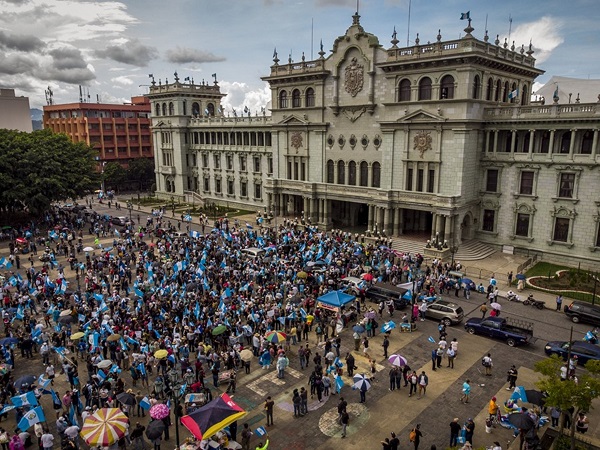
[[296, 140], [354, 77], [422, 142], [354, 113]]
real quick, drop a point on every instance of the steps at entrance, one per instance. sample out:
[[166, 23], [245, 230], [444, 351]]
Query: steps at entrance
[[407, 244], [473, 250]]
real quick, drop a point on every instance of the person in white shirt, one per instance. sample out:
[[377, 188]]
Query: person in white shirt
[[47, 440]]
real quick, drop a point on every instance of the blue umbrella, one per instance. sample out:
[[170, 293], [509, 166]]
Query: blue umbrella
[[358, 328], [520, 276], [388, 326], [361, 382], [8, 341]]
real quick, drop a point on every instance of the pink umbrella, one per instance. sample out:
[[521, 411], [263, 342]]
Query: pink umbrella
[[159, 411]]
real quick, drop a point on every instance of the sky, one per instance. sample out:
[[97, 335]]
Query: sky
[[111, 47]]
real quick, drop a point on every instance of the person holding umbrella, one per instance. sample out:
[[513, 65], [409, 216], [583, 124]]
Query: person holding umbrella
[[137, 436]]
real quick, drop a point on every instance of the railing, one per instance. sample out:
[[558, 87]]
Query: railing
[[196, 198], [522, 112]]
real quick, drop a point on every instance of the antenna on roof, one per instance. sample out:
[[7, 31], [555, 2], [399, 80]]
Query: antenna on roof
[[408, 31], [80, 95], [509, 26]]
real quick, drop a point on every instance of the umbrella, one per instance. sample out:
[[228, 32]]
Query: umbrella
[[8, 341], [367, 276], [358, 328], [520, 276], [275, 337], [521, 420], [66, 319], [496, 306], [114, 337], [370, 314], [77, 335], [159, 411], [388, 326], [27, 380], [535, 397], [72, 431], [213, 417], [361, 382], [302, 274], [125, 398], [104, 364], [105, 427], [397, 360], [160, 354], [88, 249], [219, 329], [519, 394], [246, 355], [66, 312], [155, 429]]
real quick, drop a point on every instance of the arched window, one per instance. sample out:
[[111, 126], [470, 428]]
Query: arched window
[[505, 93], [513, 93], [330, 171], [164, 109], [490, 89], [586, 143], [296, 98], [376, 174], [545, 143], [526, 141], [425, 89], [211, 110], [565, 142], [352, 173], [171, 109], [195, 109], [476, 87], [157, 108], [283, 99], [404, 90], [524, 99], [364, 174], [497, 97], [447, 87], [341, 175], [310, 97]]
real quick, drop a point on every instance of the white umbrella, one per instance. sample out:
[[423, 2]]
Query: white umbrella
[[88, 249], [72, 431], [496, 306], [104, 364], [66, 312]]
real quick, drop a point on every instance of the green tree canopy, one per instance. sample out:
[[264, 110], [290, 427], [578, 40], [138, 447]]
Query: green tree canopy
[[41, 167], [141, 170], [114, 174]]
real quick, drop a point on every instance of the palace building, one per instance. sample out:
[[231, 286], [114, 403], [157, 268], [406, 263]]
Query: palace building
[[436, 139]]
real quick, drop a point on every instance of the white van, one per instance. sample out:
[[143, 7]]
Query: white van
[[253, 252]]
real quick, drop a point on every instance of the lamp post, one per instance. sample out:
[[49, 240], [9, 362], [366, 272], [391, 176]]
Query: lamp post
[[129, 207], [173, 205], [175, 396], [453, 249]]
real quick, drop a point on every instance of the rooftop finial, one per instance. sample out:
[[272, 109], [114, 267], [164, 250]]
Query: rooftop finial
[[176, 77], [439, 36], [469, 29], [497, 41], [486, 37], [417, 40], [275, 58], [530, 49], [395, 40], [321, 52]]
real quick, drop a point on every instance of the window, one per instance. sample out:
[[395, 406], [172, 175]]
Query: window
[[425, 89], [376, 174], [330, 171], [526, 185], [404, 91], [476, 87], [157, 109], [230, 188], [242, 164], [522, 225], [206, 184], [210, 110], [257, 191], [447, 87], [598, 237], [498, 90], [409, 179], [565, 143], [204, 160], [270, 164], [505, 92], [296, 98], [491, 183], [164, 109], [545, 142], [420, 177], [567, 185], [195, 109], [244, 189], [489, 218], [171, 109], [364, 174], [490, 89], [524, 97], [561, 229], [229, 159], [341, 175], [310, 97], [217, 159], [218, 185], [283, 99], [586, 143], [256, 162], [431, 181], [352, 173]]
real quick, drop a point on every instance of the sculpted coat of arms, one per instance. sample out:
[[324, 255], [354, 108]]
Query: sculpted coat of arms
[[422, 142], [296, 140], [354, 78]]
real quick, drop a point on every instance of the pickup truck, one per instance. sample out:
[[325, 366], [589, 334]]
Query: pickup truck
[[514, 332]]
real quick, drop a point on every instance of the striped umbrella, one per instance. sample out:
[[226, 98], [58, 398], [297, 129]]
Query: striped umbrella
[[105, 427], [361, 382], [276, 337], [397, 360]]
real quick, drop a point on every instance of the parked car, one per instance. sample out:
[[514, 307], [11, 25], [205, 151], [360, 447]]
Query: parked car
[[122, 221], [514, 332], [353, 285], [442, 310], [583, 312], [583, 350], [253, 252], [378, 293]]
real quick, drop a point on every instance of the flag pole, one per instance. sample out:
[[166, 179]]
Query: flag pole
[[408, 30]]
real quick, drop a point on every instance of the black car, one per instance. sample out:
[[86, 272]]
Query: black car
[[584, 351], [378, 293], [583, 312]]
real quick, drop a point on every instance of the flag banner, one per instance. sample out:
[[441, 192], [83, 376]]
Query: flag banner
[[260, 431], [145, 403], [465, 16], [431, 339], [27, 399], [32, 417]]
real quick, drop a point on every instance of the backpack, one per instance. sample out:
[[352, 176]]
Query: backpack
[[412, 436]]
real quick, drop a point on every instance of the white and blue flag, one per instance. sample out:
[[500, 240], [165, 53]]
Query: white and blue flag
[[32, 417]]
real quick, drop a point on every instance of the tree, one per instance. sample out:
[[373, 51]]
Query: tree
[[41, 167], [114, 174], [141, 170], [564, 394]]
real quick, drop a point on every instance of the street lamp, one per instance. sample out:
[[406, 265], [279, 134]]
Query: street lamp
[[173, 205], [453, 249], [175, 396]]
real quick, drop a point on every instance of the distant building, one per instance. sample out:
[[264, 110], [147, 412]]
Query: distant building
[[14, 111], [119, 133]]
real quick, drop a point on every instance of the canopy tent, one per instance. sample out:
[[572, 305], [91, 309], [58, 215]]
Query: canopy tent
[[213, 417], [336, 298]]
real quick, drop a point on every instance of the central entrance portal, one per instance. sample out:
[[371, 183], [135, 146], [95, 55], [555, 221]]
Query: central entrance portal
[[417, 223]]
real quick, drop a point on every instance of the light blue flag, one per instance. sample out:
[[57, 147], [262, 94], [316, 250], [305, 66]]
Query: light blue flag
[[182, 390], [431, 339], [32, 417], [73, 415], [260, 431], [142, 368], [27, 399], [7, 408], [145, 403], [339, 383]]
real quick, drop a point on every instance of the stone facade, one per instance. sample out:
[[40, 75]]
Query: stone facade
[[437, 139]]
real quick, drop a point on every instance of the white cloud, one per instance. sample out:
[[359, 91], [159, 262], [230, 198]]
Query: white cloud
[[240, 95], [545, 34], [123, 80]]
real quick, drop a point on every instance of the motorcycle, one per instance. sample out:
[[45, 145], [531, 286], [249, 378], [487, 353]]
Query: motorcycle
[[539, 304], [512, 297]]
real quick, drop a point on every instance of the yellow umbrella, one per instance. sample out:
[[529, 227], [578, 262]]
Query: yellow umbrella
[[105, 427], [160, 354], [302, 274], [77, 335], [113, 337]]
